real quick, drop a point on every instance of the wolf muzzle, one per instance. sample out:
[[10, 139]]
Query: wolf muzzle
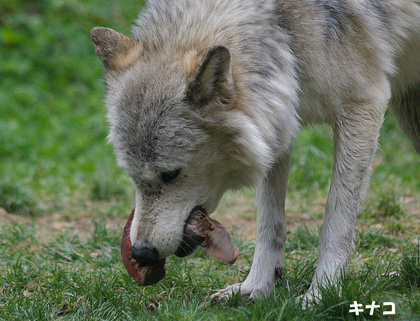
[[143, 263]]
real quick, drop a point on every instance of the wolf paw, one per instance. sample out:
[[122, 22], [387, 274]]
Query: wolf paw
[[248, 292], [308, 299]]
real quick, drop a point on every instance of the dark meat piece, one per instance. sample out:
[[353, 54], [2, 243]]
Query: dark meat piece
[[143, 275]]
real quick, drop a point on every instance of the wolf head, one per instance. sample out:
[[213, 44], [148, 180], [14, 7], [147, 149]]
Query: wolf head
[[178, 130]]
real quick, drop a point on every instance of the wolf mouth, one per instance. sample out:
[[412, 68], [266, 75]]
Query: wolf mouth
[[199, 230], [188, 245]]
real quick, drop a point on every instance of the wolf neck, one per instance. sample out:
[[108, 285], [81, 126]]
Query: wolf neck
[[263, 66]]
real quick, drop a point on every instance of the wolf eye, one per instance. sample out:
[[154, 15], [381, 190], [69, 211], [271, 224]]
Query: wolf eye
[[169, 176]]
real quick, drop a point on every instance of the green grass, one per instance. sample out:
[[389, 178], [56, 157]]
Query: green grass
[[70, 278], [63, 201]]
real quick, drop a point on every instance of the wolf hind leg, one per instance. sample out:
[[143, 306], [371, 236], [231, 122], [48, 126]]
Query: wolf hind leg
[[405, 105], [268, 262]]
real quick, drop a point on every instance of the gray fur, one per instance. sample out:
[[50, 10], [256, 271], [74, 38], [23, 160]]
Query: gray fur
[[406, 108], [219, 89]]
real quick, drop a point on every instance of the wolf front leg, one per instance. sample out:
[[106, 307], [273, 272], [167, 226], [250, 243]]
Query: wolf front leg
[[268, 262], [355, 137]]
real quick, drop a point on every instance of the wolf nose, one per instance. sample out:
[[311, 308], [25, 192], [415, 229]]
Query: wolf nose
[[144, 255]]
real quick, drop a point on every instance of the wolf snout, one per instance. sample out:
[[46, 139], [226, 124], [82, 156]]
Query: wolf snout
[[145, 255]]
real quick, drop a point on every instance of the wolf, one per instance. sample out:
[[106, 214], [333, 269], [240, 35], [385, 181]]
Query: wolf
[[208, 96]]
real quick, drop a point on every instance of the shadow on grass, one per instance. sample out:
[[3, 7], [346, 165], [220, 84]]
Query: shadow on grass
[[16, 200]]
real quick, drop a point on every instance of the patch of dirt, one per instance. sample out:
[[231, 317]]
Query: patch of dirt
[[238, 215], [81, 225], [7, 218], [242, 219]]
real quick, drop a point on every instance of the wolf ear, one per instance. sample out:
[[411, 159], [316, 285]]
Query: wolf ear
[[213, 78], [116, 51]]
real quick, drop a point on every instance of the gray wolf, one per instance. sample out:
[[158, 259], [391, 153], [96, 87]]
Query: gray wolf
[[209, 95]]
